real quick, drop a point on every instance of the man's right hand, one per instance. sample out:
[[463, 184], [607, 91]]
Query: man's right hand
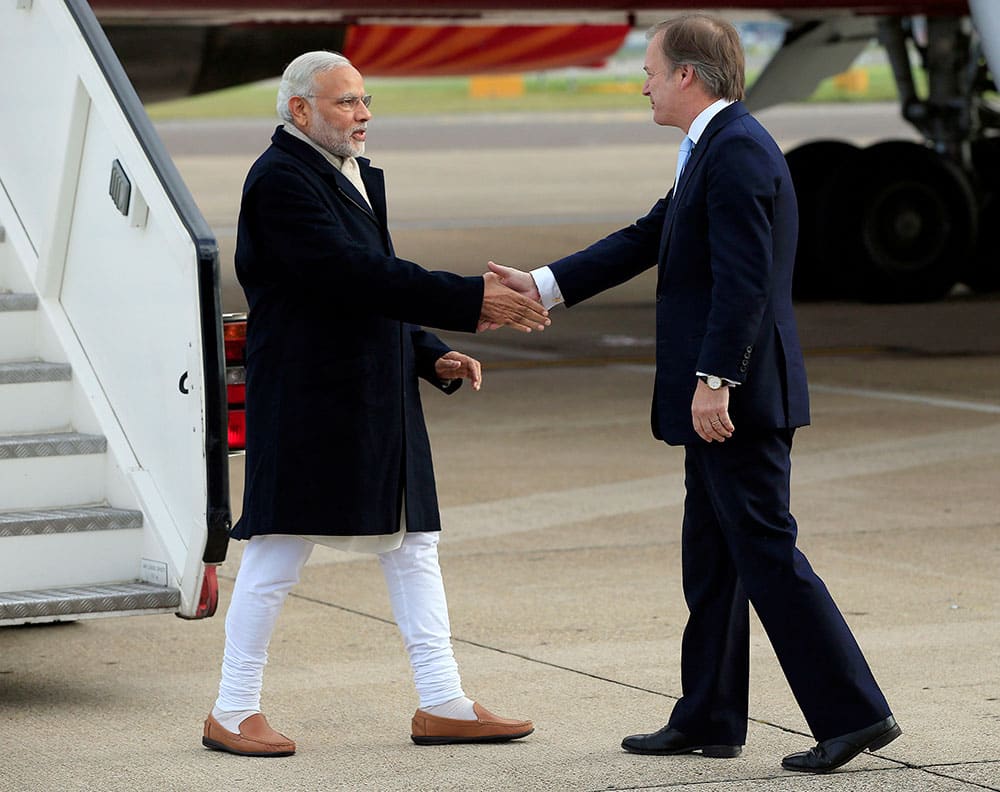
[[503, 306], [519, 281]]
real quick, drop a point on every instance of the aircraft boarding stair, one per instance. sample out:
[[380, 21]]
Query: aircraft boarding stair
[[113, 458], [44, 466]]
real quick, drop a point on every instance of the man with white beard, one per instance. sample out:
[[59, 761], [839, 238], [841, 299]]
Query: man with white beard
[[337, 452]]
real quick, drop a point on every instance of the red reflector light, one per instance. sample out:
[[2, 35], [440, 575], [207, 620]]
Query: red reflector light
[[237, 430], [209, 599], [234, 336], [236, 395]]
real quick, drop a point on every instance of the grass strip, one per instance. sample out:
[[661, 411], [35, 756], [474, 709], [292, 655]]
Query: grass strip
[[448, 95]]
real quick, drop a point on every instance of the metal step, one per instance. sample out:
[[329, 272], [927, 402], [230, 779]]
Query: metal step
[[69, 520], [15, 301], [81, 602], [22, 446], [32, 371]]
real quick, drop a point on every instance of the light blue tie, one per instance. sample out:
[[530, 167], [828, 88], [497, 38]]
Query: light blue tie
[[682, 157]]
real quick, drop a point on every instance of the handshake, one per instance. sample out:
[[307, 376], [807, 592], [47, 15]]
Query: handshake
[[511, 299]]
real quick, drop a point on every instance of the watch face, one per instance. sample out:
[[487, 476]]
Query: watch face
[[714, 383]]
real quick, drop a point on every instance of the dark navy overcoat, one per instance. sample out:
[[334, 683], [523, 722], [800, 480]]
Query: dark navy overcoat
[[335, 428]]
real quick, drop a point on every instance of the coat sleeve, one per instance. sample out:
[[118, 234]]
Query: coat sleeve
[[427, 348], [613, 260], [742, 189], [296, 237]]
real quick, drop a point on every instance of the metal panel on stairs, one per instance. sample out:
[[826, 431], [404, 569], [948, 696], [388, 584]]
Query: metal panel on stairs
[[68, 520], [81, 602]]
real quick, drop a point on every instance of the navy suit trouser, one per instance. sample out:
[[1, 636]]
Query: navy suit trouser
[[738, 545]]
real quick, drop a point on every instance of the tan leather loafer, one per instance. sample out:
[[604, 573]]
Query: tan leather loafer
[[256, 738], [429, 729]]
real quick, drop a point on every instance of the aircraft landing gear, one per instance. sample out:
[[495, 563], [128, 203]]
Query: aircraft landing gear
[[892, 222], [910, 221], [819, 274], [983, 273], [906, 221]]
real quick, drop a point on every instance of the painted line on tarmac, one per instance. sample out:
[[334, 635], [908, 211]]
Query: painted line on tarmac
[[477, 222], [606, 501], [529, 658], [508, 221], [912, 398], [641, 364], [539, 511], [517, 353]]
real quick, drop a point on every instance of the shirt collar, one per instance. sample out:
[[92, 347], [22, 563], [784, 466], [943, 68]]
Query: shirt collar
[[701, 121]]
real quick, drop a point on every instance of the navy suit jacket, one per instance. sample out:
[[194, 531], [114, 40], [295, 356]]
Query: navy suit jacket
[[724, 243], [335, 429]]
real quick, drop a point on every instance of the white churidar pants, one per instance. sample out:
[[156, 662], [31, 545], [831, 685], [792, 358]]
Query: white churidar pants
[[271, 566]]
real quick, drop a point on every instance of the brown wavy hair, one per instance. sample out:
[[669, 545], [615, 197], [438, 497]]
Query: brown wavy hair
[[708, 44]]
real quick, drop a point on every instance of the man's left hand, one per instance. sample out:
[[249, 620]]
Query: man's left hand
[[710, 413], [455, 365]]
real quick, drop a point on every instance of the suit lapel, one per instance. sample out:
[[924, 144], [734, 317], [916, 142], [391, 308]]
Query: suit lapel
[[723, 117]]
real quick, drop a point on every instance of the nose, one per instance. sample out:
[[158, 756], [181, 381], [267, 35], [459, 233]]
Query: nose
[[363, 113]]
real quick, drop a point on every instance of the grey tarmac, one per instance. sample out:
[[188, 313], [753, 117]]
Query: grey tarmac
[[562, 537]]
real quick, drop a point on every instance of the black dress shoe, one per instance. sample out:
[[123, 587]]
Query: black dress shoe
[[831, 754], [669, 742]]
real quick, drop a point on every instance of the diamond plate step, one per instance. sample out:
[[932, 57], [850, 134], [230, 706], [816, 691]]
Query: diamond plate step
[[86, 601], [57, 521], [22, 446], [31, 371], [14, 301]]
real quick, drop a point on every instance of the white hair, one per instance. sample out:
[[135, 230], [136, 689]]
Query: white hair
[[299, 76]]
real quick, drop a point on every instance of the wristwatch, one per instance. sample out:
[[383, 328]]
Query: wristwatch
[[713, 382]]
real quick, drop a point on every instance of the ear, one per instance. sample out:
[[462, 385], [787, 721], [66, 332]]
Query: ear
[[301, 111]]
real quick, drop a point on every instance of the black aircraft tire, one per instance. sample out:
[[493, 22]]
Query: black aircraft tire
[[983, 274], [818, 273], [910, 221]]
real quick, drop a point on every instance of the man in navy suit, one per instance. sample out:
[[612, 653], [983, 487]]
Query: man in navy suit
[[731, 388], [337, 451]]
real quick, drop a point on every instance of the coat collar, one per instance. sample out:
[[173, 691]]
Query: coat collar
[[372, 177]]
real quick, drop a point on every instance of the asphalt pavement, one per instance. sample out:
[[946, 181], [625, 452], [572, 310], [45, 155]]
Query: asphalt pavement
[[561, 545]]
